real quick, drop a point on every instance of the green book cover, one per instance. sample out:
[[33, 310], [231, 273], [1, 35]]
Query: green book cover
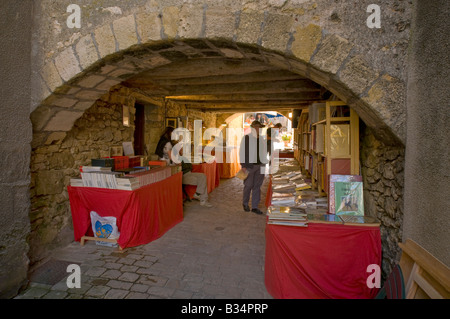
[[349, 198]]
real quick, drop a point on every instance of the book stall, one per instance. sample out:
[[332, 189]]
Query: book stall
[[318, 244], [119, 202]]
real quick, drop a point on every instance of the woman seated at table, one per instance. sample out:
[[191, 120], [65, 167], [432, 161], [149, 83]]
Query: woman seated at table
[[164, 147], [190, 178]]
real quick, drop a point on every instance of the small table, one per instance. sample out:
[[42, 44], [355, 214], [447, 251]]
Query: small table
[[143, 215]]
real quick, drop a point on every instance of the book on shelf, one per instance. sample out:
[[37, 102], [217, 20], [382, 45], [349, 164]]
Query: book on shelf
[[319, 142], [346, 195]]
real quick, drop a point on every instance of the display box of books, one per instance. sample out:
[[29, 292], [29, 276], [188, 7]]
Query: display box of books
[[346, 195]]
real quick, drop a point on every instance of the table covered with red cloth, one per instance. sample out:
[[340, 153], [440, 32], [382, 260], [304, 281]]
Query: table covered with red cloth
[[321, 261], [212, 177], [143, 215], [230, 163]]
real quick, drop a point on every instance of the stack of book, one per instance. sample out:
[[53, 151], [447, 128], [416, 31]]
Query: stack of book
[[288, 216], [102, 179], [152, 176], [76, 182], [343, 219], [128, 183]]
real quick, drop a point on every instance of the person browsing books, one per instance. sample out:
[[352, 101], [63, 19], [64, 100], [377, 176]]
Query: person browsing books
[[164, 146], [252, 159]]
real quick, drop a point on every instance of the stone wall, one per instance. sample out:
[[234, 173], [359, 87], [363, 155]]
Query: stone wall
[[53, 164], [382, 168], [15, 137]]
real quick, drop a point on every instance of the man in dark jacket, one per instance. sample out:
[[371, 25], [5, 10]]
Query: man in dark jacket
[[253, 157]]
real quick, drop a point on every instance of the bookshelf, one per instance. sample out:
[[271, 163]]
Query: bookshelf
[[328, 142]]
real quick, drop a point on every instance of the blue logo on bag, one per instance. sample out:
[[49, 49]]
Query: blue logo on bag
[[103, 231]]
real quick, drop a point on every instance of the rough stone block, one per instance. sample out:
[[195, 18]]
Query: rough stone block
[[91, 81], [106, 85], [357, 75], [191, 21], [148, 26], [83, 106], [40, 117], [220, 23], [86, 51], [63, 121], [276, 32], [55, 138], [125, 32], [49, 182], [230, 53], [65, 102], [331, 53], [387, 96], [89, 94], [39, 91], [51, 76], [67, 64], [170, 18], [306, 41], [105, 40], [249, 29]]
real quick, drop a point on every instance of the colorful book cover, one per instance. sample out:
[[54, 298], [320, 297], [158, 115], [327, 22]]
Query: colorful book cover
[[334, 206], [349, 198]]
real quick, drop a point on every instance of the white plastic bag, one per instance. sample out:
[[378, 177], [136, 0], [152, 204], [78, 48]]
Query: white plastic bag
[[104, 227]]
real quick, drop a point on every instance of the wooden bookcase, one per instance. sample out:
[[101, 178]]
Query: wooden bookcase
[[328, 143]]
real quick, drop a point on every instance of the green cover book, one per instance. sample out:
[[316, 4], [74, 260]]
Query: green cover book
[[349, 198]]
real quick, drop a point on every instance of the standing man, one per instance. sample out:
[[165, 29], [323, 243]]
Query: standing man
[[254, 164]]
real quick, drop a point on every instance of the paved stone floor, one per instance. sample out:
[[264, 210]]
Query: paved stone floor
[[213, 253]]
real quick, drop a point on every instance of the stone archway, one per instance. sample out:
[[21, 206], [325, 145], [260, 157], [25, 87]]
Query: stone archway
[[145, 38]]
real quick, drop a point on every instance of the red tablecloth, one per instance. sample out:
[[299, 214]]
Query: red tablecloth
[[321, 261], [230, 164], [143, 215], [212, 177]]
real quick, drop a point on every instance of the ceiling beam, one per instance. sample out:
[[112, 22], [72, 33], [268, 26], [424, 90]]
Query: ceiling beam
[[196, 68], [272, 87], [260, 76], [226, 98], [251, 109]]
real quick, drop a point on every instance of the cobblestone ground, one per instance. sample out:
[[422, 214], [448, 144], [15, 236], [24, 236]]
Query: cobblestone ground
[[213, 253]]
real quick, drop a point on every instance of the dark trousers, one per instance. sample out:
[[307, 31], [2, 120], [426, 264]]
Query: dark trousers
[[252, 185]]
